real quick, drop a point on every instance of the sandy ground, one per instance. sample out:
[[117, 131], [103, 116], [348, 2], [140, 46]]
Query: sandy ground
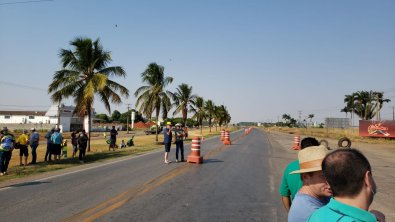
[[382, 159]]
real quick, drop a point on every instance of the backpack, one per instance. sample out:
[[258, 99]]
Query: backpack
[[56, 138], [7, 142]]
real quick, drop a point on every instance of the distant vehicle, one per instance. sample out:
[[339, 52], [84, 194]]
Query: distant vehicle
[[152, 130]]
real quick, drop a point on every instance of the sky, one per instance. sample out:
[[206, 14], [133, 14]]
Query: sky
[[259, 58]]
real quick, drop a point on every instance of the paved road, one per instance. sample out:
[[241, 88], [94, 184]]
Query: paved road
[[235, 183]]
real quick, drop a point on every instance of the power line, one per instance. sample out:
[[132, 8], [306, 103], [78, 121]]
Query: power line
[[25, 2], [21, 86], [20, 105]]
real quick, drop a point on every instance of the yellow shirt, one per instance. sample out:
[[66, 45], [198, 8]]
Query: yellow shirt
[[22, 139]]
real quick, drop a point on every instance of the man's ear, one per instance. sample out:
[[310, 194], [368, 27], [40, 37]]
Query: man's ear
[[368, 180]]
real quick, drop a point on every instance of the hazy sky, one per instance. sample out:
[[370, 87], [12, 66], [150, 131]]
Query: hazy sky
[[259, 58]]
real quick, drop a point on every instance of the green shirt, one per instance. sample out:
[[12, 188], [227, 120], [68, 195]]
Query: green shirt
[[291, 183], [338, 211]]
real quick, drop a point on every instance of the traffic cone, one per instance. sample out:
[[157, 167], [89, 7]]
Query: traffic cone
[[296, 145], [227, 138], [195, 157], [222, 135]]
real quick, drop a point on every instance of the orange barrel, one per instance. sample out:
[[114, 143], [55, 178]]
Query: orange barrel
[[227, 138], [195, 157], [296, 145], [222, 135]]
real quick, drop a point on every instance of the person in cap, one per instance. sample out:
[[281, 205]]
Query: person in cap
[[315, 191], [291, 183], [6, 146], [22, 143], [34, 141], [179, 136], [48, 153], [349, 174], [167, 138], [56, 140]]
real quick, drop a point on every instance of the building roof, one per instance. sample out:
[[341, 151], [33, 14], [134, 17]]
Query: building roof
[[23, 113]]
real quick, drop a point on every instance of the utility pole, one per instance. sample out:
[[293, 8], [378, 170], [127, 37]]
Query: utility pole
[[127, 120], [393, 113]]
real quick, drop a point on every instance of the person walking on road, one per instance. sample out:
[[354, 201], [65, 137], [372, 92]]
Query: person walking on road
[[48, 154], [179, 134], [113, 138], [6, 146], [167, 137], [82, 144], [57, 139], [291, 183], [22, 143], [34, 141], [315, 192], [349, 174]]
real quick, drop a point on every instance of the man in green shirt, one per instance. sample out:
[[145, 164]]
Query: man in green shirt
[[291, 183], [349, 174]]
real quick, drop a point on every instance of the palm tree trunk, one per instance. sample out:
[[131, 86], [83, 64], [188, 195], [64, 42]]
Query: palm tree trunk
[[157, 120]]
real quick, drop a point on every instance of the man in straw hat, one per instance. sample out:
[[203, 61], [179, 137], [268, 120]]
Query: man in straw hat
[[291, 183], [167, 140], [315, 191], [349, 174]]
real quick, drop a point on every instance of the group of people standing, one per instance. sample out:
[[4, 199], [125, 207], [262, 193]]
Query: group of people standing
[[329, 186], [180, 134], [55, 141]]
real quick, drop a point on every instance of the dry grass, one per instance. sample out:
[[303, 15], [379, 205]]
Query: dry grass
[[99, 151], [352, 134]]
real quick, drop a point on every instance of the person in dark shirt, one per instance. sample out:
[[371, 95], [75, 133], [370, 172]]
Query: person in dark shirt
[[167, 141], [113, 138]]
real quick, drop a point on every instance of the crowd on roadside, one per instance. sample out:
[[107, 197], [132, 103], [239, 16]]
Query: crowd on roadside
[[325, 186], [56, 146]]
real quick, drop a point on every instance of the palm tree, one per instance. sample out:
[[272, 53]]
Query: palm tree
[[222, 115], [85, 74], [210, 109], [153, 96], [182, 98], [199, 112], [365, 104], [311, 116]]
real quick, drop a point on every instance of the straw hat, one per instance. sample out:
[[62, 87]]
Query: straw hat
[[310, 159], [168, 123], [178, 124]]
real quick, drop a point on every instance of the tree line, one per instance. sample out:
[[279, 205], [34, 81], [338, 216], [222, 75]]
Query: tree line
[[86, 74]]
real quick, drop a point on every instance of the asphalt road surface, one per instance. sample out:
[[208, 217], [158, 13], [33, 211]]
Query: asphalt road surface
[[235, 183]]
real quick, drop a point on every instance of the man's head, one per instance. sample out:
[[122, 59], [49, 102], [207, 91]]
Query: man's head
[[168, 125], [178, 126], [309, 141], [5, 129], [25, 131], [310, 160], [33, 129], [349, 173]]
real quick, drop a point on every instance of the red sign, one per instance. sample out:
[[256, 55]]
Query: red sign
[[373, 128]]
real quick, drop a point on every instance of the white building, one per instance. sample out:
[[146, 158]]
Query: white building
[[64, 114], [24, 117]]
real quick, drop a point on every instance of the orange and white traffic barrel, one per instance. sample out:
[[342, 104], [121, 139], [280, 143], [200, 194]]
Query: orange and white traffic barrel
[[296, 145], [195, 157], [222, 135], [227, 138]]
